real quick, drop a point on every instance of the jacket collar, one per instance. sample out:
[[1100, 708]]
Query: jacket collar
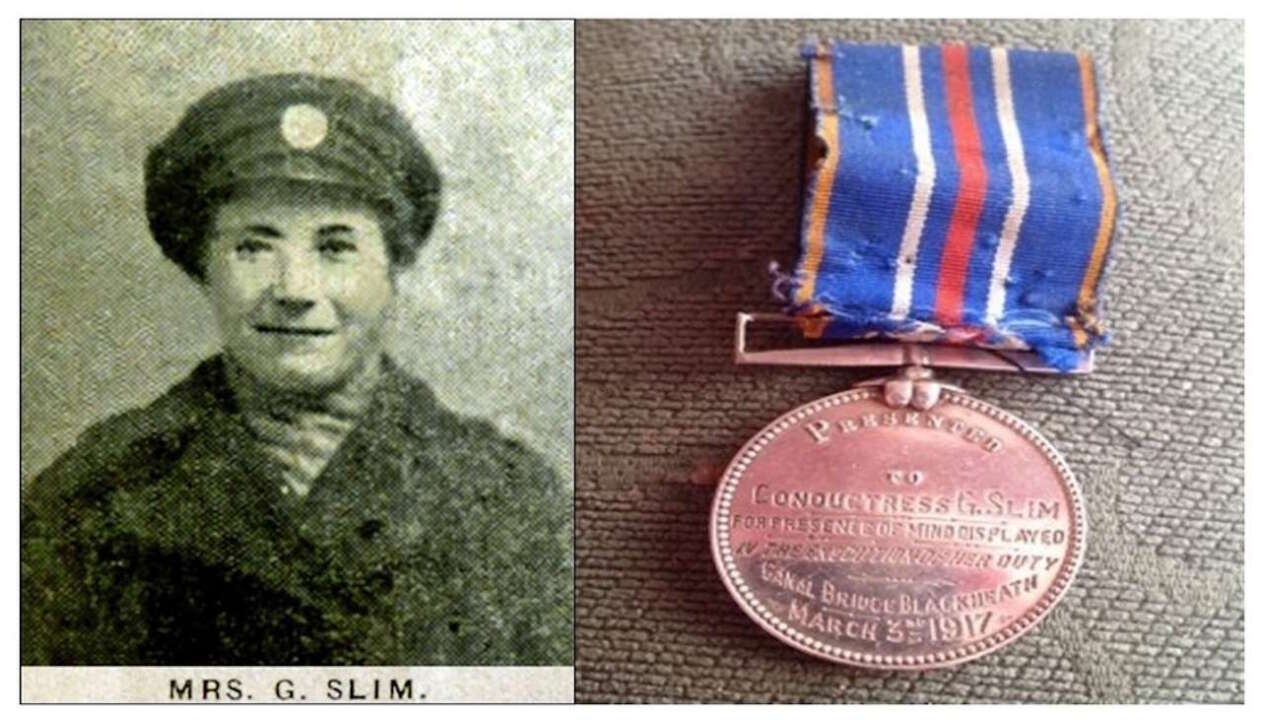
[[221, 499]]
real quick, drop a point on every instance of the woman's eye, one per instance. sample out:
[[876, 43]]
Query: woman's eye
[[337, 248], [250, 248]]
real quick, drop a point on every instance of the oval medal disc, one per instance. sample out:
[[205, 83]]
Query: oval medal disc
[[897, 538]]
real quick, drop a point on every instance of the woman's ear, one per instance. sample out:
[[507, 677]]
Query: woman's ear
[[202, 278], [204, 257], [399, 265]]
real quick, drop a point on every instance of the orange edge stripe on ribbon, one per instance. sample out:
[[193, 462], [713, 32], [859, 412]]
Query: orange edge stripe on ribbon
[[1086, 298], [829, 132]]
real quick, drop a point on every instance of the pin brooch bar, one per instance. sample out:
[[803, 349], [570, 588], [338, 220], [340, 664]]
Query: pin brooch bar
[[890, 353]]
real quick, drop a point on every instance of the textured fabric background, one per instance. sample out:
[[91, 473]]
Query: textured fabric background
[[485, 316], [688, 175]]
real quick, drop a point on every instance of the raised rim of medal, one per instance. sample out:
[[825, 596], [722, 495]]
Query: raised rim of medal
[[721, 547]]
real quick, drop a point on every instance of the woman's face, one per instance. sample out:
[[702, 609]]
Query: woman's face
[[301, 287]]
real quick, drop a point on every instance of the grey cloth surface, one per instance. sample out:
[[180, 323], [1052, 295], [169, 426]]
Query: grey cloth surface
[[688, 179]]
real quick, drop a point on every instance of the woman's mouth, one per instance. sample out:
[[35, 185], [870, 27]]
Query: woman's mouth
[[293, 330]]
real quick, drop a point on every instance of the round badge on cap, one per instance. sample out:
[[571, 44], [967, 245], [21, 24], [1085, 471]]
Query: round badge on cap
[[303, 126]]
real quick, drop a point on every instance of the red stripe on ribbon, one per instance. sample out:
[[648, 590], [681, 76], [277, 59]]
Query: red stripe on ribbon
[[972, 181]]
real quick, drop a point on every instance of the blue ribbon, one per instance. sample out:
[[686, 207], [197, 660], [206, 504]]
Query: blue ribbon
[[955, 194]]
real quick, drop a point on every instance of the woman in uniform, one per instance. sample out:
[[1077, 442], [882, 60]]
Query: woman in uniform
[[298, 499]]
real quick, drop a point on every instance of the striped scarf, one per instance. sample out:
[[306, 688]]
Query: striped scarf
[[301, 433]]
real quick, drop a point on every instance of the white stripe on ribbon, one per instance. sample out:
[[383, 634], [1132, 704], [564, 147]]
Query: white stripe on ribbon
[[925, 176], [997, 297]]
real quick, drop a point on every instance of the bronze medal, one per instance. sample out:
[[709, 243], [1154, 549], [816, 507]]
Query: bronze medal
[[908, 526], [904, 524]]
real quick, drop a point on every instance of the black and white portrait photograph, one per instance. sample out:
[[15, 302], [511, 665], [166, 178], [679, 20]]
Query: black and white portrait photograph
[[296, 343]]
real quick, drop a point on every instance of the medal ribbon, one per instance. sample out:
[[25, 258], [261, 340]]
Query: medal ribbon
[[955, 194]]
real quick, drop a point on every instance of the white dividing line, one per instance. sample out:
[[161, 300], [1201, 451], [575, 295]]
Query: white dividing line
[[925, 176], [997, 297]]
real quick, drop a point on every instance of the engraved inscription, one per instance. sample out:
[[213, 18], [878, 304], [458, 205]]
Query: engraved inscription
[[822, 431], [969, 502], [861, 545], [905, 477]]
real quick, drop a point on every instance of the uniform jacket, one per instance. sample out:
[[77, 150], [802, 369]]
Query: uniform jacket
[[163, 538]]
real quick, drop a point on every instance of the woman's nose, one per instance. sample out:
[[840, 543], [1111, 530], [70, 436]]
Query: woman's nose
[[298, 281]]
